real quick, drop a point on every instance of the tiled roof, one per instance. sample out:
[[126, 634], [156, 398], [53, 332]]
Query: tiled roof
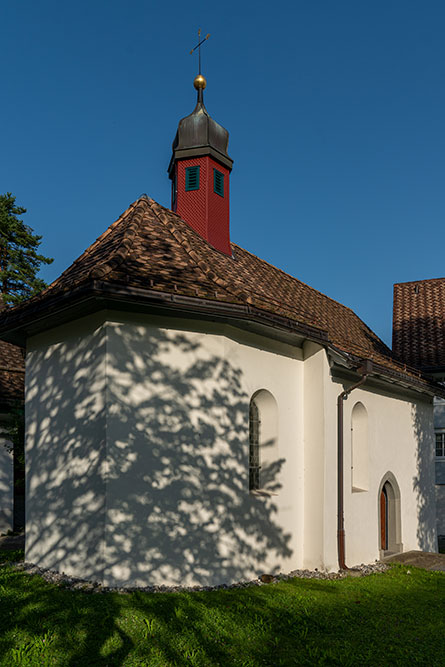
[[150, 249], [419, 323], [12, 374]]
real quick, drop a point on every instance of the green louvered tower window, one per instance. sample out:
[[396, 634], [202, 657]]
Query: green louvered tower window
[[191, 178], [218, 182]]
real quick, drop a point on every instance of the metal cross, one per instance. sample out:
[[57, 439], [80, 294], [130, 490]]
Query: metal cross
[[198, 46]]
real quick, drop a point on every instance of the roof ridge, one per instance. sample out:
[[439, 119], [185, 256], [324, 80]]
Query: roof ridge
[[163, 215], [422, 280], [150, 241], [88, 251], [248, 296], [289, 275], [312, 289], [208, 271], [132, 218]]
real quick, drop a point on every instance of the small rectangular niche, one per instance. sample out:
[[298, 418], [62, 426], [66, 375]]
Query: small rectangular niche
[[359, 449]]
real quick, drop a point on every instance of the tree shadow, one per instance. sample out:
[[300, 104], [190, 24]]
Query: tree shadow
[[411, 345], [137, 462], [296, 622]]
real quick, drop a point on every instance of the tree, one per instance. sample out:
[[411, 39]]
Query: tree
[[19, 261]]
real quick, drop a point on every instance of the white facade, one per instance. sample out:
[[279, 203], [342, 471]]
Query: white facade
[[138, 445]]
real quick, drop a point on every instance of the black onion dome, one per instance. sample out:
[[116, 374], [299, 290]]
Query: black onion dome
[[198, 134]]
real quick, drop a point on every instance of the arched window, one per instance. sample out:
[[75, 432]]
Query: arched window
[[359, 448], [263, 441], [254, 446]]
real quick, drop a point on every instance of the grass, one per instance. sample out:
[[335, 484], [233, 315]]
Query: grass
[[395, 618]]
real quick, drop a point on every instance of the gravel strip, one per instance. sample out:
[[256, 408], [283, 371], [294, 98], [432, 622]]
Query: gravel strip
[[74, 584]]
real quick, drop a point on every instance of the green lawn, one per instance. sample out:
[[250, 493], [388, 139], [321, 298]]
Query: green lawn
[[397, 618]]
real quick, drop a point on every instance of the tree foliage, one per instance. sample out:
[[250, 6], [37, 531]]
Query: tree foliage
[[19, 260]]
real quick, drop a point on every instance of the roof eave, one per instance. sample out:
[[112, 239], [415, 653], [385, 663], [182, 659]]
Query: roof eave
[[421, 384], [199, 151], [54, 310], [17, 326]]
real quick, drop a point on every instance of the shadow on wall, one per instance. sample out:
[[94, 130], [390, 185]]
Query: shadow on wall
[[151, 487], [423, 482]]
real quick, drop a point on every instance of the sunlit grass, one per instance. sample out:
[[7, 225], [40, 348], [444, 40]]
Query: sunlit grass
[[395, 618]]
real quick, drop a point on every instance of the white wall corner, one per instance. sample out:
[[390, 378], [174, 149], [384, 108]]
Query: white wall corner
[[315, 365]]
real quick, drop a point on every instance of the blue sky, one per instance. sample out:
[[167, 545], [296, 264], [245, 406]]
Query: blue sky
[[335, 112]]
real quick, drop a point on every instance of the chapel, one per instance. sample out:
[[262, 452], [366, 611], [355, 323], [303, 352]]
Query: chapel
[[196, 416]]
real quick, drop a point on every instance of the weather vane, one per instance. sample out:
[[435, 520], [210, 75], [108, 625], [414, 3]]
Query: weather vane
[[198, 46]]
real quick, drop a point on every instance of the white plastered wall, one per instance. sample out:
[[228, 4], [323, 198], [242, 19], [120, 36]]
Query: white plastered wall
[[65, 448], [137, 452], [179, 509], [316, 423], [137, 455], [400, 443], [6, 482]]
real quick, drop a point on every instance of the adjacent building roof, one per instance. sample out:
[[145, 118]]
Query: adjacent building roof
[[151, 256], [12, 375], [419, 323]]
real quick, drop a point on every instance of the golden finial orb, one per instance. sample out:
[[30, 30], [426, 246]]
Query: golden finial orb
[[200, 82]]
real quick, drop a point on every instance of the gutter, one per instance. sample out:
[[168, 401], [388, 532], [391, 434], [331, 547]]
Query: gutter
[[365, 370], [412, 379], [15, 325], [23, 321]]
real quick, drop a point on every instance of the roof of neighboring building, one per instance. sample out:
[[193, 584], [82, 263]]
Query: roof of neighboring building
[[150, 254], [12, 375], [12, 372], [419, 323]]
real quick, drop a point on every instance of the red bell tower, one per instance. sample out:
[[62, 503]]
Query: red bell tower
[[200, 172]]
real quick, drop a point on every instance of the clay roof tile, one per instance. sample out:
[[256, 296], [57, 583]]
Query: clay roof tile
[[419, 323], [152, 248]]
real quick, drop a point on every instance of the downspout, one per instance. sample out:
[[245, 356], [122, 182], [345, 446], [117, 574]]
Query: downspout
[[365, 370]]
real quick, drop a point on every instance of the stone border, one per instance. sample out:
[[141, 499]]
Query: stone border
[[75, 584]]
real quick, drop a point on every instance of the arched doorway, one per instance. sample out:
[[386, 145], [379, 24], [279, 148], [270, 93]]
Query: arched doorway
[[390, 541]]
